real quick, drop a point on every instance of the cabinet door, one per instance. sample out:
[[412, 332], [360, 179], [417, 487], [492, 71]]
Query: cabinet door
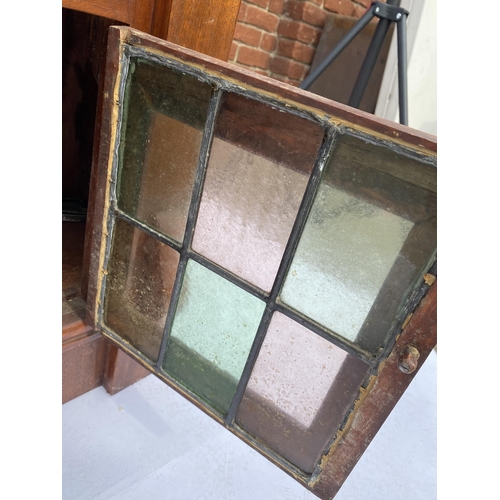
[[269, 254]]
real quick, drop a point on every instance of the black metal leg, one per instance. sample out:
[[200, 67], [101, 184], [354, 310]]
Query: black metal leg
[[367, 17], [369, 62], [402, 72], [387, 13]]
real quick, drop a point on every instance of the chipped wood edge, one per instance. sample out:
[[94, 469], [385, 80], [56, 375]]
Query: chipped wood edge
[[114, 112]]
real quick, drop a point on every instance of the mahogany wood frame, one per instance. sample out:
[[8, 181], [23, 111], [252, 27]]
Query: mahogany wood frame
[[419, 330], [205, 26]]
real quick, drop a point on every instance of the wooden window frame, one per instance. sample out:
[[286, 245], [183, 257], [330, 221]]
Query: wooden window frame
[[418, 330]]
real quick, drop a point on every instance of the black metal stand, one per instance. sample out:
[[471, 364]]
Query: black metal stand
[[387, 13]]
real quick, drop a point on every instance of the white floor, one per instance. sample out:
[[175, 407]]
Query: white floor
[[147, 442]]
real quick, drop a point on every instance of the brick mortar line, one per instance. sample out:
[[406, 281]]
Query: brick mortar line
[[273, 54], [246, 44], [275, 33], [360, 4]]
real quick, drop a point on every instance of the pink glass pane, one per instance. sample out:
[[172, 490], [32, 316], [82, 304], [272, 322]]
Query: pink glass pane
[[260, 162], [300, 390]]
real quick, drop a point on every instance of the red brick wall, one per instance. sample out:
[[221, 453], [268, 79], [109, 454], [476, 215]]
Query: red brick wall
[[278, 38]]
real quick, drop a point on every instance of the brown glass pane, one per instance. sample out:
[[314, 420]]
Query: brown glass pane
[[164, 116], [141, 274], [300, 390], [259, 165], [369, 238]]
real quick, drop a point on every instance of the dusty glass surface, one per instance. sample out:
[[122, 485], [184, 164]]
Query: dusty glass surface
[[299, 392], [367, 240], [141, 274], [164, 116], [213, 330], [259, 165]]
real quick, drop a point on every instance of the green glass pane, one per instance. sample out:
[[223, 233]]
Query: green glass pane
[[213, 330], [368, 239], [164, 116], [141, 275]]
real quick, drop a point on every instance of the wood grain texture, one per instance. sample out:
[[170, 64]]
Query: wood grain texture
[[73, 236], [101, 45], [121, 370], [83, 360], [86, 35], [421, 332], [98, 181], [141, 14], [161, 17], [79, 95], [112, 9], [73, 312], [207, 27], [136, 13]]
